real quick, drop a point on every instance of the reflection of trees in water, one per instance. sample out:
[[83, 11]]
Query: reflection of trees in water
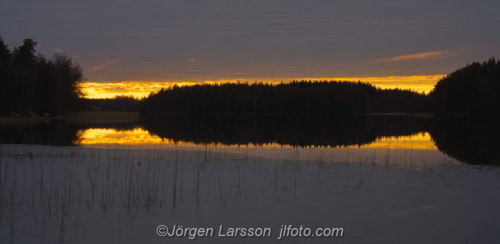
[[55, 132], [470, 140], [51, 133], [302, 131]]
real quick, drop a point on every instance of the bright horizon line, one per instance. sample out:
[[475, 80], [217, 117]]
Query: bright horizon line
[[140, 89]]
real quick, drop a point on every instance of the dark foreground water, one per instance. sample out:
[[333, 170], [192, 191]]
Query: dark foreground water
[[377, 179]]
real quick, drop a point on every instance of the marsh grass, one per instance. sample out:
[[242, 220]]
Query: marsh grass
[[55, 187]]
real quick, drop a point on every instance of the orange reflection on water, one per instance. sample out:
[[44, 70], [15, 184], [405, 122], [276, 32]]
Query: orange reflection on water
[[113, 136], [421, 141]]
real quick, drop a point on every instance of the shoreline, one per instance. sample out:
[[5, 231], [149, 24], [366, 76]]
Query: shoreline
[[76, 117]]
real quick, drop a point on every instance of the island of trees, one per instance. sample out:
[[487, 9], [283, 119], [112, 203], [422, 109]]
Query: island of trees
[[296, 97], [471, 90]]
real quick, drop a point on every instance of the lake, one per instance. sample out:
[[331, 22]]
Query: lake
[[358, 179]]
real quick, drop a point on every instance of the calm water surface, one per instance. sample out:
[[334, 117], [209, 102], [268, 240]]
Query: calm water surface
[[376, 139], [384, 179]]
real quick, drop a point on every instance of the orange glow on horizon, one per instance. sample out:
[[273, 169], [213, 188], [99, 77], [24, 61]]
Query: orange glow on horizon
[[419, 83], [140, 89]]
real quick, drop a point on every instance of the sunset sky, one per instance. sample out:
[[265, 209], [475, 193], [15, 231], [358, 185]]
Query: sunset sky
[[134, 47]]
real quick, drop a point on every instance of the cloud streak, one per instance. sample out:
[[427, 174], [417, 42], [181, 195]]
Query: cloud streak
[[104, 65], [416, 56]]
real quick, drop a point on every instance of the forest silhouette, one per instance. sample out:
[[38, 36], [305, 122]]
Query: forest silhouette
[[118, 103], [471, 90], [33, 85], [296, 97]]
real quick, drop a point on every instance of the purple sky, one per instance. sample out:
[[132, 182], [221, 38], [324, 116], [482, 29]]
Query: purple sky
[[161, 40]]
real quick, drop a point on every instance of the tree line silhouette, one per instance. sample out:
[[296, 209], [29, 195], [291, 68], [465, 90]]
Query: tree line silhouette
[[118, 103], [471, 90], [31, 84], [296, 97]]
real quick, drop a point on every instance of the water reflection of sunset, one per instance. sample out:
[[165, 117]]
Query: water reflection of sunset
[[136, 136], [112, 136], [421, 141]]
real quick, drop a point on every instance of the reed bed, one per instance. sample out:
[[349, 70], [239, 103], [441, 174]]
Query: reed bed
[[52, 189]]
